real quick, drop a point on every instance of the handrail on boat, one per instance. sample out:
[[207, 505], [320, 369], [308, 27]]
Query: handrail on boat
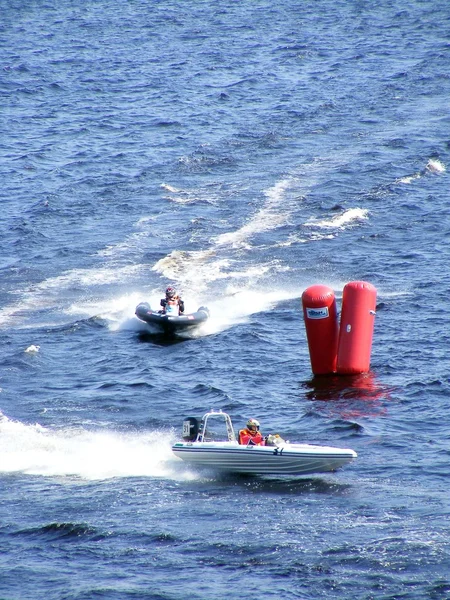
[[216, 413]]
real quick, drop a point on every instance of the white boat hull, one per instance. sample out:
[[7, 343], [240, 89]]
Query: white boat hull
[[289, 459]]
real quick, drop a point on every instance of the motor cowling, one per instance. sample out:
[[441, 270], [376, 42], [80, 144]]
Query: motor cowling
[[190, 429]]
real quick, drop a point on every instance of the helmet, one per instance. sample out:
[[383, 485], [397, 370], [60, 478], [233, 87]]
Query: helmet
[[171, 292], [253, 424]]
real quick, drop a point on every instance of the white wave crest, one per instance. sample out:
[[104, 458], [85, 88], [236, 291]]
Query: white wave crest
[[435, 166], [169, 188], [341, 221], [32, 349]]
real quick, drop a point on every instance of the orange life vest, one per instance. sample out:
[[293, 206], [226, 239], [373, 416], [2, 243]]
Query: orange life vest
[[247, 437]]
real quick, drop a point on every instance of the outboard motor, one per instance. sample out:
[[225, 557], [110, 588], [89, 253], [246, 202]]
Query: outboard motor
[[190, 429]]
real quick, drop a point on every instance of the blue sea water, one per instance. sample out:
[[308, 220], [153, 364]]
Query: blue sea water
[[241, 151]]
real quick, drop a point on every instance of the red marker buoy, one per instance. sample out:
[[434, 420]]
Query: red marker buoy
[[356, 328], [321, 323]]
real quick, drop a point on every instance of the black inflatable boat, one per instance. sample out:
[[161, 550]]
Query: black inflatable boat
[[171, 323]]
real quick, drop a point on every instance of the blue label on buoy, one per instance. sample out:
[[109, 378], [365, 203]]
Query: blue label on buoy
[[317, 313]]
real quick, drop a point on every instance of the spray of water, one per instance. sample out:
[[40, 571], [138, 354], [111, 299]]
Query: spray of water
[[90, 455]]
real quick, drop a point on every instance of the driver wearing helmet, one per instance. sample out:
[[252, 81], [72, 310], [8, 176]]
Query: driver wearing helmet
[[172, 303], [251, 436]]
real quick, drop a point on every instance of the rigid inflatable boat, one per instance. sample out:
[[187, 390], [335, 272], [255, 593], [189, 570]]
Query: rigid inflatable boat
[[204, 445], [171, 323]]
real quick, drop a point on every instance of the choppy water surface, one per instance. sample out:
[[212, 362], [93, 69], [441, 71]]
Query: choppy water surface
[[241, 152]]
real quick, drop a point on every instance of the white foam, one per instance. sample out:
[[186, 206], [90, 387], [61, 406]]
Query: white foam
[[32, 349], [111, 309], [273, 213], [237, 306], [408, 178], [195, 268], [47, 294], [36, 450], [189, 196], [88, 277], [196, 271], [435, 166], [341, 221], [136, 240], [169, 188]]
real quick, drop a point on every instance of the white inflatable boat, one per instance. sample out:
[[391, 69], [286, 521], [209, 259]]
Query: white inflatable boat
[[202, 447]]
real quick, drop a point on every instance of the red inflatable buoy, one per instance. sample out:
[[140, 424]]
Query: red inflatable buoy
[[356, 328], [321, 322]]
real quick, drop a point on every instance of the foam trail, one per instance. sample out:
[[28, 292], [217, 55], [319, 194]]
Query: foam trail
[[114, 310], [234, 306], [47, 294], [198, 269], [269, 217], [91, 455], [237, 307], [194, 268]]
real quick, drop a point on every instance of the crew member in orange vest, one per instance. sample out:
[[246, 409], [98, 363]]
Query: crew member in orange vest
[[251, 436], [172, 303]]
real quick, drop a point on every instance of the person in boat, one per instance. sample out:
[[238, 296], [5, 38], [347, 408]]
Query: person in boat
[[251, 436], [172, 303]]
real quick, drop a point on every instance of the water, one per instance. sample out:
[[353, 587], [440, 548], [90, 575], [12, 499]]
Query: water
[[241, 152]]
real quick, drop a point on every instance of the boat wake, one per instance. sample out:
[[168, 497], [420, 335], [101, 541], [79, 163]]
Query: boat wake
[[231, 262], [84, 454]]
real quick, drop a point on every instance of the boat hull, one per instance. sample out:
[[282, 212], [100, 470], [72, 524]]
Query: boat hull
[[171, 323], [291, 459]]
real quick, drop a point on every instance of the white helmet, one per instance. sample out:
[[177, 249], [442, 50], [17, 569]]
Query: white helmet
[[253, 424]]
